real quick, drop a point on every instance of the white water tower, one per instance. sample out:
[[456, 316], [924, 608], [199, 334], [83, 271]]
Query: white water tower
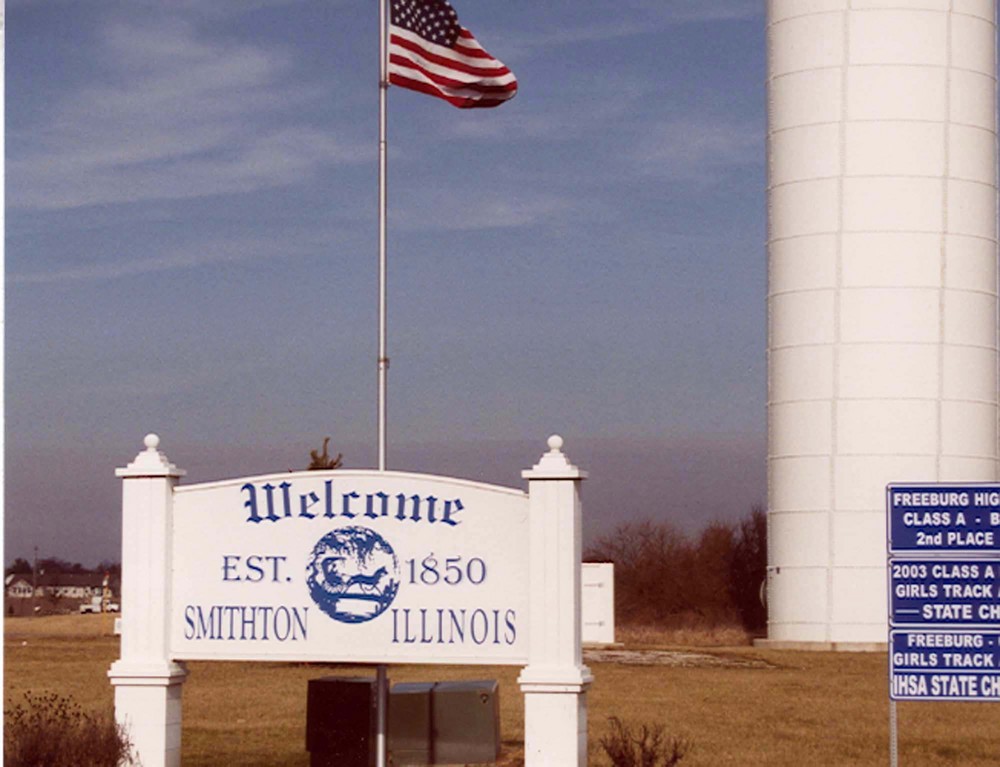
[[882, 290]]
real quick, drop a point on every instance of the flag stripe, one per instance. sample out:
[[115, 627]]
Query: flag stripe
[[412, 70], [450, 76], [435, 63], [464, 102], [406, 73], [408, 70], [469, 45], [448, 57]]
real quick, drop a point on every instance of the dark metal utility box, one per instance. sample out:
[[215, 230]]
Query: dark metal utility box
[[341, 722], [444, 722]]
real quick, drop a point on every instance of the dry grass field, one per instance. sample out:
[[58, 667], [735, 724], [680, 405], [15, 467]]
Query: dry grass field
[[736, 705]]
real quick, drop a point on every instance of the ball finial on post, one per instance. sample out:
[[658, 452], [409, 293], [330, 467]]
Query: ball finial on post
[[150, 462], [554, 464]]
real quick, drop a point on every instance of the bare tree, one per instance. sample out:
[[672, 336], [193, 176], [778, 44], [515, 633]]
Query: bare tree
[[321, 461], [749, 569]]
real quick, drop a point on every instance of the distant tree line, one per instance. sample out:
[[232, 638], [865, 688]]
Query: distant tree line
[[54, 565], [666, 578]]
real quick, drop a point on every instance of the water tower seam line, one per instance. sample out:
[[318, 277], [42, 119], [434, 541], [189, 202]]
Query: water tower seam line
[[825, 344], [989, 293], [943, 245], [881, 399], [890, 65], [778, 457], [839, 279], [992, 239], [965, 14], [880, 121], [890, 176]]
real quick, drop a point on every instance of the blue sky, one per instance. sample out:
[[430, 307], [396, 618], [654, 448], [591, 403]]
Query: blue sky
[[192, 242]]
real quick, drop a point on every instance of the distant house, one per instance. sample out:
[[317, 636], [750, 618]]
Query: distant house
[[56, 592], [71, 586], [18, 586]]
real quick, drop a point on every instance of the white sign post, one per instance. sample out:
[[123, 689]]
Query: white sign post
[[147, 681], [555, 681], [369, 567]]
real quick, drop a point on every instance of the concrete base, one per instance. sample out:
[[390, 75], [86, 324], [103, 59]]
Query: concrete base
[[555, 715], [148, 705], [778, 644], [555, 728]]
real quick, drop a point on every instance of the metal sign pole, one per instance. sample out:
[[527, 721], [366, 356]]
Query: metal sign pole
[[381, 706], [893, 735]]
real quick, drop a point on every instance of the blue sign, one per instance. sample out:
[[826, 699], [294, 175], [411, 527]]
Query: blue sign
[[943, 518], [938, 665], [944, 592], [944, 584]]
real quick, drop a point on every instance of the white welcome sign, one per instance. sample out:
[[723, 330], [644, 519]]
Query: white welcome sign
[[352, 566], [402, 568]]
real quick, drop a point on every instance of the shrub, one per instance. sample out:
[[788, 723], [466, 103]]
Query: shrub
[[646, 748], [52, 731], [667, 579], [749, 569], [653, 571]]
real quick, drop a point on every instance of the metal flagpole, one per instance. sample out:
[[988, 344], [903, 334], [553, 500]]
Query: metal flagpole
[[381, 680], [383, 359]]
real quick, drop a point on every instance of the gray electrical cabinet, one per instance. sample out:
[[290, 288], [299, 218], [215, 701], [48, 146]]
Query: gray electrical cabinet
[[438, 723], [410, 728]]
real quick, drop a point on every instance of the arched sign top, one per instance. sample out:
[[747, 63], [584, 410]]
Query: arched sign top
[[353, 474]]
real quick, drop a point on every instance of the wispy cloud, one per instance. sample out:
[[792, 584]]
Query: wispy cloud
[[206, 253], [510, 125], [641, 17], [693, 11], [582, 33], [181, 115], [698, 148], [222, 6], [594, 106], [444, 210], [214, 8]]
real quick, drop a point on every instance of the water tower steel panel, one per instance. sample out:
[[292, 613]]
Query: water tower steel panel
[[882, 288]]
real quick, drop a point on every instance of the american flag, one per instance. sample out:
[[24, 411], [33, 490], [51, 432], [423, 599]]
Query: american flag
[[430, 52]]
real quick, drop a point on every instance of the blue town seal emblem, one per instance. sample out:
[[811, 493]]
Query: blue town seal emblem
[[353, 574]]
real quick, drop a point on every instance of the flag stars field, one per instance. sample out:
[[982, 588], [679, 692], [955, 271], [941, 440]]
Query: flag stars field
[[425, 18]]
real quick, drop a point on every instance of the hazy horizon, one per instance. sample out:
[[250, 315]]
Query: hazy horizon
[[688, 482]]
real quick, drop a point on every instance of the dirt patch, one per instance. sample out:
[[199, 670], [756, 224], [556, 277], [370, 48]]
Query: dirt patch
[[677, 658]]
